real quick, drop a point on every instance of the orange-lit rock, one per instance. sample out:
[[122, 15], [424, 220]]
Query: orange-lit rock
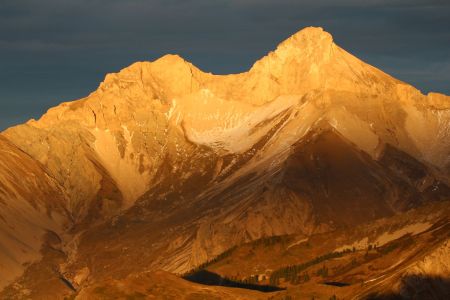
[[165, 166]]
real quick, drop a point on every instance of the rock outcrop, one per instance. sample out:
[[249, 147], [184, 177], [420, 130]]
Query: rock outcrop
[[166, 166]]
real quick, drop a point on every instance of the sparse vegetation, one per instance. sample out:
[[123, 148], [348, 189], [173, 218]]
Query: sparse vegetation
[[403, 242], [270, 241], [388, 248], [323, 272], [209, 278], [265, 242], [216, 259], [292, 273]]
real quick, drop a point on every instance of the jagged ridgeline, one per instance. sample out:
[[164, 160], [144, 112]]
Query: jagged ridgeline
[[164, 167]]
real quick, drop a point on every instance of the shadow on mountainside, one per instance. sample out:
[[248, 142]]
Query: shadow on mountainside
[[417, 287], [210, 278]]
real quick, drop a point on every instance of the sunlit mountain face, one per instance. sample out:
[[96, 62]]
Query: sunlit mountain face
[[311, 175]]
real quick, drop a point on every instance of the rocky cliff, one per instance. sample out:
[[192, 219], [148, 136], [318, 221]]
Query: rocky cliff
[[166, 166]]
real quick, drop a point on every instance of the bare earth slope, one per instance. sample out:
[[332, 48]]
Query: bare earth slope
[[402, 257], [31, 205], [164, 166]]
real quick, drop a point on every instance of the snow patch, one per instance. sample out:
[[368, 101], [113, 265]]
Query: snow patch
[[412, 229], [230, 124], [387, 237]]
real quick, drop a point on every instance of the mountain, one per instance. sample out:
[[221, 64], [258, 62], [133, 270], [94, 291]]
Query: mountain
[[165, 167], [404, 255]]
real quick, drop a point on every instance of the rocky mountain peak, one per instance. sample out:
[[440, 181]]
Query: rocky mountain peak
[[311, 45], [170, 75], [166, 167], [308, 40]]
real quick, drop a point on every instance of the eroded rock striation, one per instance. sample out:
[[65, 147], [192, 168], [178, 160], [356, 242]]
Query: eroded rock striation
[[165, 166]]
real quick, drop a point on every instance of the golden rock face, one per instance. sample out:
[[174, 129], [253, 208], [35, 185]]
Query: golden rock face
[[31, 203], [215, 160]]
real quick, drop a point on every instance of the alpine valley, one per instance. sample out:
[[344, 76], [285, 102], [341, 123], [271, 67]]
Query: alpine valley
[[313, 175]]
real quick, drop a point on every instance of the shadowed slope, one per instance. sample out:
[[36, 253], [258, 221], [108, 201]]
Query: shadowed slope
[[165, 166]]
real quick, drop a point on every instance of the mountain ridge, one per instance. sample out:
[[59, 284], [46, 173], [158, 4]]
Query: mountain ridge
[[184, 164]]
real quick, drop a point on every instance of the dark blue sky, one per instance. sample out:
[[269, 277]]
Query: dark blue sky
[[59, 50]]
